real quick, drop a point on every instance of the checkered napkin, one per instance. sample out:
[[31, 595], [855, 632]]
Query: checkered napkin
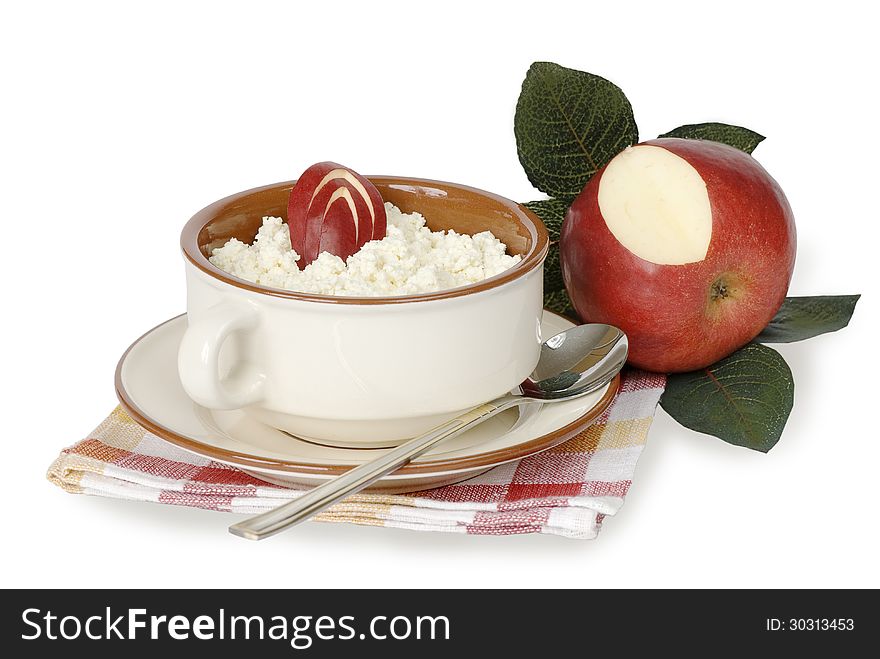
[[565, 491]]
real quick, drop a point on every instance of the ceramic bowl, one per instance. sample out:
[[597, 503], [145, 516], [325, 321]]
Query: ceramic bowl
[[360, 371]]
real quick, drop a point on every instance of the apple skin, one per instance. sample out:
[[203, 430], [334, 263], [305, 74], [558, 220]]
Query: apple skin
[[305, 214], [341, 239], [298, 205], [686, 317]]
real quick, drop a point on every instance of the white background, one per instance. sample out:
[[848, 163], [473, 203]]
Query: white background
[[120, 123]]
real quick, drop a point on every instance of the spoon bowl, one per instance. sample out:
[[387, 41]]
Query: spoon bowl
[[567, 370]]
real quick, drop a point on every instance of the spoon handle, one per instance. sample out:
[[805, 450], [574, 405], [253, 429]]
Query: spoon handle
[[356, 479]]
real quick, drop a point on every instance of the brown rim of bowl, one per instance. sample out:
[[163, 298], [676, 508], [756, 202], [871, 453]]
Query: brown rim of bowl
[[237, 458], [540, 245]]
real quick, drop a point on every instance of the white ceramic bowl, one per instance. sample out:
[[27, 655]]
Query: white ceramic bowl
[[361, 371]]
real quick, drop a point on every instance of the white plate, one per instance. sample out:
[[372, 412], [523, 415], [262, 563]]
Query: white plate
[[148, 387]]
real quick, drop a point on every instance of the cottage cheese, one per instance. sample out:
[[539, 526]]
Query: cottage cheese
[[410, 259]]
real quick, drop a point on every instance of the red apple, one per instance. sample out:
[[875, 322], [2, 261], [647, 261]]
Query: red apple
[[333, 209], [686, 245], [339, 205]]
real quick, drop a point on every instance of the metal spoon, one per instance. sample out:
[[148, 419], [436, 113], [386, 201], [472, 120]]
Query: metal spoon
[[576, 362]]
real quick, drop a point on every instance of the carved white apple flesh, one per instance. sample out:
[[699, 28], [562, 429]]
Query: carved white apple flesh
[[656, 204]]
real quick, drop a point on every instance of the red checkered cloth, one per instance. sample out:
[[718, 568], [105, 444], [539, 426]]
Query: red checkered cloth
[[566, 491]]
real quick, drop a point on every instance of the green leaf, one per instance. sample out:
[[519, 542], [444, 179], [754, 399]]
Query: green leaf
[[553, 271], [736, 136], [568, 124], [558, 301], [802, 318], [552, 213], [744, 399]]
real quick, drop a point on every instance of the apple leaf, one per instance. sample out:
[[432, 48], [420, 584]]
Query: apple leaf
[[559, 302], [553, 271], [552, 213], [735, 136], [744, 399], [568, 124], [802, 318]]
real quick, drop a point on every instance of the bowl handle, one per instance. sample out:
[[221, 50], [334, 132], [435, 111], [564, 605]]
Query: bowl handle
[[199, 353]]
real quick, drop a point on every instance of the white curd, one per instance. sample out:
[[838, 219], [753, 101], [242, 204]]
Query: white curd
[[410, 259]]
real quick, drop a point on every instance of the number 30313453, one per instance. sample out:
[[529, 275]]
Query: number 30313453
[[810, 624]]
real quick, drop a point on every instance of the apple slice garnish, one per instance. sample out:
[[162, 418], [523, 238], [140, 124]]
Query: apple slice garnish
[[347, 206], [333, 209]]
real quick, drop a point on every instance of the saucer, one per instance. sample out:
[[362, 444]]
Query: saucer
[[149, 389]]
